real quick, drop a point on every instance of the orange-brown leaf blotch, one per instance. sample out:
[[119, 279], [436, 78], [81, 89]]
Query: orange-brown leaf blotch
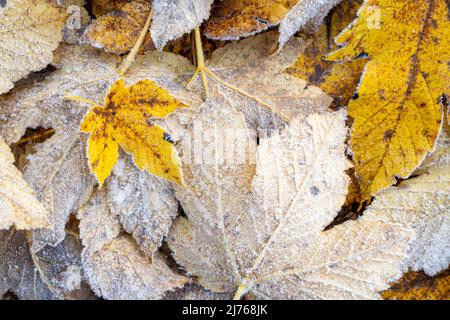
[[419, 286], [124, 121], [119, 26], [233, 19]]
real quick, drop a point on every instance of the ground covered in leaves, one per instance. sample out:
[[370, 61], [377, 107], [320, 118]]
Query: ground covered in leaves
[[292, 149]]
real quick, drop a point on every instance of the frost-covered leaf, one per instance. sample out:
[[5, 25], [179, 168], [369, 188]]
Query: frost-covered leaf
[[118, 25], [59, 171], [120, 271], [307, 14], [173, 18], [98, 225], [422, 203], [123, 121], [339, 80], [234, 19], [114, 264], [61, 270], [264, 234], [17, 271], [144, 204], [18, 204], [252, 66], [30, 31], [397, 110]]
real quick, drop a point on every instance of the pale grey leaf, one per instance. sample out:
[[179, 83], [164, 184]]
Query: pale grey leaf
[[174, 18], [120, 271]]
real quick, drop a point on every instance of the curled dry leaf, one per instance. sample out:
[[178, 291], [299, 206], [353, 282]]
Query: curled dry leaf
[[19, 206], [234, 19], [30, 32], [397, 116], [263, 234]]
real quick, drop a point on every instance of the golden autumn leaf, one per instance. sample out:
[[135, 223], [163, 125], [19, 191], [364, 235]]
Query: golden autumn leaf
[[119, 25], [397, 111], [123, 121], [339, 80], [418, 286]]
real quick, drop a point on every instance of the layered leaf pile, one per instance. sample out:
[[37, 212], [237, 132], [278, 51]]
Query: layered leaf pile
[[304, 156]]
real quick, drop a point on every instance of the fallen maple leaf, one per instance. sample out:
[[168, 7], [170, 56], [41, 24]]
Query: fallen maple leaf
[[234, 19], [123, 121], [18, 204], [397, 110], [264, 234], [59, 171], [31, 31], [339, 80]]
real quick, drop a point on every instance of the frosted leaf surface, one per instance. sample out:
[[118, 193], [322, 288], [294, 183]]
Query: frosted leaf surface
[[17, 271], [265, 235], [58, 171], [19, 206], [423, 203], [173, 18], [252, 66], [306, 13], [29, 32], [120, 271], [144, 204]]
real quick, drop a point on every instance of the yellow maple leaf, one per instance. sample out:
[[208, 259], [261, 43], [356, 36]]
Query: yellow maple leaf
[[339, 80], [118, 25], [397, 111], [123, 121]]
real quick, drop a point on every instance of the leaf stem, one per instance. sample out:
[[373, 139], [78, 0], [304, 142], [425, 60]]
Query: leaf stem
[[204, 71], [241, 290], [132, 55], [75, 98]]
